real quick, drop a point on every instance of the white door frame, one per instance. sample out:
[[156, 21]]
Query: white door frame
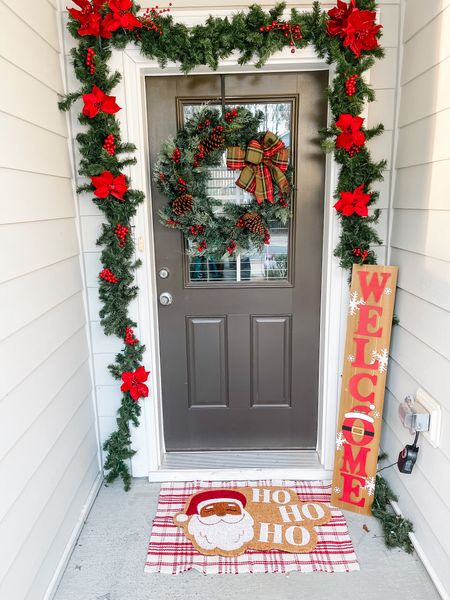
[[148, 438]]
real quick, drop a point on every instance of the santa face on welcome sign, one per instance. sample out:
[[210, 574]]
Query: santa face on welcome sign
[[217, 519]]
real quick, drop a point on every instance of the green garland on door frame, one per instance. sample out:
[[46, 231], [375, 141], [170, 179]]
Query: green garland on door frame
[[101, 25], [255, 35]]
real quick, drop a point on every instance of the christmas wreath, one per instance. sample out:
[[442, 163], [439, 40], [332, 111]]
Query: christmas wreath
[[182, 174]]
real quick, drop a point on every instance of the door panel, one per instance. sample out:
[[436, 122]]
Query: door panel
[[240, 342], [271, 361], [207, 361]]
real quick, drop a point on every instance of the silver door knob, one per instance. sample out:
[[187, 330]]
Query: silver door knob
[[165, 298]]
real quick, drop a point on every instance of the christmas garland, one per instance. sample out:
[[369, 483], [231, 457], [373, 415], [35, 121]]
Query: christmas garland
[[346, 36], [180, 174]]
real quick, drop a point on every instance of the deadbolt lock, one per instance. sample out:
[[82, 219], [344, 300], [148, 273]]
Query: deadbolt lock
[[164, 272]]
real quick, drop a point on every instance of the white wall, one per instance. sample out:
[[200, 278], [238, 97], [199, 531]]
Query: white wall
[[383, 78], [420, 354], [48, 444]]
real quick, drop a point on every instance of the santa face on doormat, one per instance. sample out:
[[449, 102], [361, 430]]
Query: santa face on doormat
[[216, 521], [227, 522]]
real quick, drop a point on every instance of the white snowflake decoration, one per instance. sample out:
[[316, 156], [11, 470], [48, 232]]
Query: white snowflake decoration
[[354, 303], [340, 440], [370, 486], [337, 490], [387, 291], [350, 358], [376, 414], [382, 358]]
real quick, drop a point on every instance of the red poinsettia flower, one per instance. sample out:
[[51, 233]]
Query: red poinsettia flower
[[121, 16], [98, 101], [354, 202], [133, 382], [87, 8], [92, 26], [338, 18], [351, 135], [108, 185], [360, 31], [89, 17]]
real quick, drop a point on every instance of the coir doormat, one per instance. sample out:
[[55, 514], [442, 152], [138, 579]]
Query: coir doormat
[[211, 526]]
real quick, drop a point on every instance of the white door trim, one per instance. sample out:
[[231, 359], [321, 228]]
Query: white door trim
[[148, 438]]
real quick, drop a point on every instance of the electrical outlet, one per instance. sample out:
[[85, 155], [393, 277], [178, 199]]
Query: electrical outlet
[[430, 404]]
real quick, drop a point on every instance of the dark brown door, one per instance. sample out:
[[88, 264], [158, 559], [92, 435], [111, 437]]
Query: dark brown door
[[240, 341]]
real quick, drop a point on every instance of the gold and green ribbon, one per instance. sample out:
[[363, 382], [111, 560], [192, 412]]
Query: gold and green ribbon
[[263, 163]]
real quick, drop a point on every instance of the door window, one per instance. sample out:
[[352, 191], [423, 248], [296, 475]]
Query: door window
[[272, 266]]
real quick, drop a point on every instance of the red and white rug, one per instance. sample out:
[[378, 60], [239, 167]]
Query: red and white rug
[[170, 552]]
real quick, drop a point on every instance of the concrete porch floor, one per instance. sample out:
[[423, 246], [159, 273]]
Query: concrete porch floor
[[108, 563]]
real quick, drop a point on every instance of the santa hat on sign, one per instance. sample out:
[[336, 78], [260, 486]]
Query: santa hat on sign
[[208, 497]]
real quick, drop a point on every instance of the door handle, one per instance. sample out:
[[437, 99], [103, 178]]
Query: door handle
[[165, 298]]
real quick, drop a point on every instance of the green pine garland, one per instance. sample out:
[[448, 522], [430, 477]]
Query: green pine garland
[[396, 529], [245, 33]]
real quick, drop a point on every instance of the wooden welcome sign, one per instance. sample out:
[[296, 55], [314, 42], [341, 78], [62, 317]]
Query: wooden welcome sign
[[369, 325]]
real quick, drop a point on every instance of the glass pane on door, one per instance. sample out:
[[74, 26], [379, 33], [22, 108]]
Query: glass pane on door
[[272, 265]]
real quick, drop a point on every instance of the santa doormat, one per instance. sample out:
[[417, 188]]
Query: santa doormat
[[248, 527], [229, 521]]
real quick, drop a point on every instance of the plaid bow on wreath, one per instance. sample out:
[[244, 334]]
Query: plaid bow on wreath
[[263, 163]]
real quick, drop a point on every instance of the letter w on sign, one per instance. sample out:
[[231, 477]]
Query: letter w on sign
[[366, 356]]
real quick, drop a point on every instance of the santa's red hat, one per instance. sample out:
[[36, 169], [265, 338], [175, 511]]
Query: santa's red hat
[[214, 496]]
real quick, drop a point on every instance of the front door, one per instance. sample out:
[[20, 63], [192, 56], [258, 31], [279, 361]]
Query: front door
[[239, 343]]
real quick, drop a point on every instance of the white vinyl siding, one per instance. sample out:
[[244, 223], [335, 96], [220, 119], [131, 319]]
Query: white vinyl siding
[[48, 443], [419, 245]]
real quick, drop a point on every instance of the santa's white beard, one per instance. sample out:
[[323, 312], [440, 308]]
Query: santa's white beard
[[228, 533]]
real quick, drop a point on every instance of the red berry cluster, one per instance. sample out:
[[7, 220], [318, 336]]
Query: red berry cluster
[[232, 247], [90, 55], [176, 156], [362, 254], [149, 19], [121, 231], [203, 124], [231, 115], [130, 338], [198, 156], [197, 229], [267, 237], [182, 185], [293, 32], [172, 222], [108, 276], [110, 144], [240, 223], [354, 149], [350, 85], [283, 202], [202, 246]]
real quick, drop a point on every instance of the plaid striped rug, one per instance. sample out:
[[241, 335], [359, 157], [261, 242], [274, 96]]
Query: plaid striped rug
[[170, 552]]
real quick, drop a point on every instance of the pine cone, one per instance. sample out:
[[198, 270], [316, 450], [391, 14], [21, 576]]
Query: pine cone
[[215, 141], [182, 204], [254, 223]]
